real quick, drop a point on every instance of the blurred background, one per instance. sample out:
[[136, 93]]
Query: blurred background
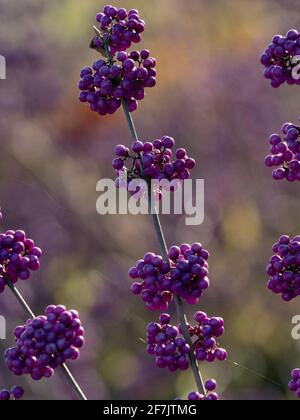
[[212, 97]]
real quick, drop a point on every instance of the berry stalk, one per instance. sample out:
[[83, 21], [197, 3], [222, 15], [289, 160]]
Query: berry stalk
[[163, 246], [66, 371]]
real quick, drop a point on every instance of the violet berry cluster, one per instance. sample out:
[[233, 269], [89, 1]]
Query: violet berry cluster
[[211, 395], [205, 336], [184, 275], [294, 384], [119, 28], [168, 346], [284, 268], [45, 343], [120, 75], [18, 256], [16, 393], [285, 153], [280, 59], [152, 160], [109, 81]]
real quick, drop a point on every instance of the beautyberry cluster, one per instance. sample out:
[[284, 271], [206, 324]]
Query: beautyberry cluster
[[185, 275], [279, 59], [285, 153], [210, 386], [156, 281], [153, 160], [169, 347], [204, 336], [46, 342], [119, 28], [284, 268], [189, 271], [15, 393], [18, 256], [110, 81], [294, 384]]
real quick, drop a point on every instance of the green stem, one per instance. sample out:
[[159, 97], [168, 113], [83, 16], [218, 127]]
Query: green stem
[[67, 373], [163, 247]]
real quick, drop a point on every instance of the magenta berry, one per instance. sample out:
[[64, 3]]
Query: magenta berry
[[294, 384], [285, 153], [278, 59], [18, 257], [108, 82], [284, 268], [45, 343]]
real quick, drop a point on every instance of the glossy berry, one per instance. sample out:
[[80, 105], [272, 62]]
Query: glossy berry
[[210, 386], [279, 59], [107, 83], [45, 343], [294, 384], [285, 153], [167, 345], [16, 393], [119, 28], [18, 257], [157, 160], [284, 268]]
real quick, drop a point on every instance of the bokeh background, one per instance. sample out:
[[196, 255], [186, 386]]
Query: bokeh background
[[212, 98]]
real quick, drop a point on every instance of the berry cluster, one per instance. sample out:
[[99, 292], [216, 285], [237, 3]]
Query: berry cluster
[[15, 393], [284, 268], [156, 281], [45, 343], [169, 347], [184, 275], [210, 386], [279, 60], [294, 384], [118, 29], [152, 160], [285, 153], [18, 255], [204, 337], [189, 271], [110, 81]]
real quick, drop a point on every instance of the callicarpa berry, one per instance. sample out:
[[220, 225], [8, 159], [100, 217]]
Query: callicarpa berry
[[16, 393], [284, 268], [119, 28], [45, 343], [210, 386], [205, 335], [185, 274], [168, 346], [18, 257], [285, 153], [109, 81], [294, 384], [280, 59], [155, 160]]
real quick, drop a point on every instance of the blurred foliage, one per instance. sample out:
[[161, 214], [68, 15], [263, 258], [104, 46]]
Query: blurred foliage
[[212, 98]]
